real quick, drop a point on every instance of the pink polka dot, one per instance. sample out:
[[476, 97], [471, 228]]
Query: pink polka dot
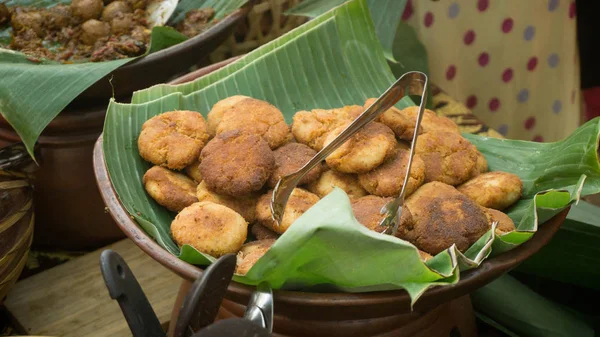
[[538, 138], [482, 5], [494, 104], [507, 25], [507, 75], [572, 10], [408, 10], [428, 19], [450, 72], [532, 63], [529, 123], [484, 59], [469, 37], [471, 101]]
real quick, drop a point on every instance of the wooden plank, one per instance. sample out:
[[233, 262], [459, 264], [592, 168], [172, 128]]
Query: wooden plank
[[72, 299]]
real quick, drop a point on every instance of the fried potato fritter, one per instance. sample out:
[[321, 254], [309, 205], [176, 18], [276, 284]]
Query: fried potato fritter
[[173, 139], [311, 127], [331, 179], [260, 232], [250, 253], [300, 201], [481, 166], [387, 179], [505, 223], [290, 158], [236, 164], [496, 190], [364, 151], [367, 210], [215, 115], [442, 216], [193, 171], [210, 228], [170, 189], [244, 206]]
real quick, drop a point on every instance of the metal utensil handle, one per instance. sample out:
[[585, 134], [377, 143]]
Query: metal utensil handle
[[260, 307]]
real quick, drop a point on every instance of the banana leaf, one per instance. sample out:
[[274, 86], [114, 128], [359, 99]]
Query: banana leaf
[[33, 92], [332, 61]]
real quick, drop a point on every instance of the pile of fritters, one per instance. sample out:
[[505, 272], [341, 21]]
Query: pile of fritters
[[218, 175]]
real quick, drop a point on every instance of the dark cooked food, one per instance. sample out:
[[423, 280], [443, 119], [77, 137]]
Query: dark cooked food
[[448, 157], [89, 30], [300, 201], [292, 157], [311, 127], [250, 253], [245, 206], [210, 228], [236, 163], [260, 232], [496, 190], [170, 189], [387, 179], [256, 117], [173, 139], [505, 223], [440, 217], [331, 179], [367, 210], [364, 151]]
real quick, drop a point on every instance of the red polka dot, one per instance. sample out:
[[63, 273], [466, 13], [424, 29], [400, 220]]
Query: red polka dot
[[428, 19], [450, 72], [408, 10], [482, 5], [532, 63], [507, 75], [507, 25], [471, 101], [494, 104], [484, 59], [538, 138], [572, 10], [469, 37], [529, 123]]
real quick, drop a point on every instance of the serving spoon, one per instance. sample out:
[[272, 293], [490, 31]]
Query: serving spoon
[[412, 83]]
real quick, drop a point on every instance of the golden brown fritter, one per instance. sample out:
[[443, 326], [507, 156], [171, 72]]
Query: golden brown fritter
[[311, 127], [448, 157], [402, 122], [424, 256], [236, 164], [244, 206], [364, 151], [300, 201], [481, 165], [260, 232], [442, 216], [193, 171], [331, 178], [210, 228], [292, 157], [173, 139], [250, 253], [387, 179], [367, 210], [216, 113], [170, 189], [505, 223], [256, 117], [496, 190]]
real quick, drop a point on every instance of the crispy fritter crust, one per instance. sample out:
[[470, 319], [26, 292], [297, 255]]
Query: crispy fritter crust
[[170, 189], [367, 210], [173, 139], [210, 228], [496, 190], [331, 179], [236, 164], [505, 223], [448, 157], [244, 206], [300, 201], [193, 171], [387, 179], [216, 113], [364, 151], [250, 253], [481, 165], [311, 127], [292, 157], [260, 232], [442, 216]]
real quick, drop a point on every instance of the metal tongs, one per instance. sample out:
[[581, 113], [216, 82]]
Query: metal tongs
[[199, 308], [410, 83]]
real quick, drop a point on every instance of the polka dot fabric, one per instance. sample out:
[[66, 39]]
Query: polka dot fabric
[[507, 60]]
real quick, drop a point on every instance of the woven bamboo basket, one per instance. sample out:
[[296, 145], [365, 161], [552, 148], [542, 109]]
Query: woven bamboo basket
[[264, 23], [16, 217]]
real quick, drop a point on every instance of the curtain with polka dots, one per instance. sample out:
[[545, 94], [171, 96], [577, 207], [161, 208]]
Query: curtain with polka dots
[[513, 62]]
